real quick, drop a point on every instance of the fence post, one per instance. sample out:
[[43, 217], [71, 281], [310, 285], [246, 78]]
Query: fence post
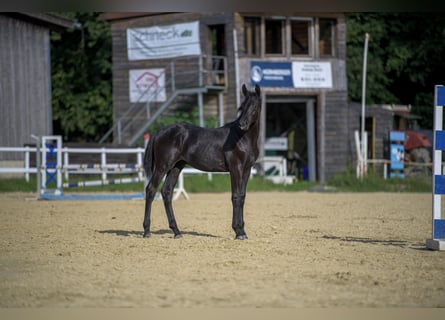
[[27, 164], [139, 162], [104, 164], [66, 163], [385, 170], [38, 166]]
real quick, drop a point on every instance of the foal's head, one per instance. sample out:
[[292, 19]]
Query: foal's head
[[250, 108]]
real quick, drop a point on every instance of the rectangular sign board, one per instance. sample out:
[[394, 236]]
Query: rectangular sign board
[[147, 85], [160, 42], [295, 74]]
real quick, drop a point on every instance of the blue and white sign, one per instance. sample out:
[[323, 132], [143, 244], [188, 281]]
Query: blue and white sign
[[271, 74], [295, 74]]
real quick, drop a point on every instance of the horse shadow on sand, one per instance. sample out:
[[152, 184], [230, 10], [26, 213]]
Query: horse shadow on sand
[[132, 233], [383, 242]]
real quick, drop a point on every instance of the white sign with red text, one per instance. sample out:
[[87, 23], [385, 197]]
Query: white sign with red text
[[147, 85]]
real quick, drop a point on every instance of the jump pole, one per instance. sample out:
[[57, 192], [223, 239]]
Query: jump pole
[[437, 242], [102, 182], [178, 191]]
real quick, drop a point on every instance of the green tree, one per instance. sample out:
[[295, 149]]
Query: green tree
[[405, 59], [81, 78]]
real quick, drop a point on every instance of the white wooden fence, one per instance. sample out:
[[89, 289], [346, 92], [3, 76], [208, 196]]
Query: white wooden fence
[[104, 168]]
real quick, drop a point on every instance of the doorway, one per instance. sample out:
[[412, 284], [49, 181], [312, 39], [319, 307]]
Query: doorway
[[293, 121]]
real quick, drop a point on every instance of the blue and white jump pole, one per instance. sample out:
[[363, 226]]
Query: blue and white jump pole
[[51, 169], [438, 226]]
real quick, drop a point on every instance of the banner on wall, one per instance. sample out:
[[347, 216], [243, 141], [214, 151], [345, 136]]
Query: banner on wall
[[163, 41], [271, 74], [147, 85], [296, 74]]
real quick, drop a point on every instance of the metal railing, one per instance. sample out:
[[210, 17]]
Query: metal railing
[[189, 75]]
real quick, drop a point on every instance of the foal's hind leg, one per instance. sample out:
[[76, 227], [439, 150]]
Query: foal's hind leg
[[150, 192], [167, 195]]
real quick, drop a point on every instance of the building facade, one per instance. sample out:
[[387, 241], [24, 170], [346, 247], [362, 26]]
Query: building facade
[[298, 59]]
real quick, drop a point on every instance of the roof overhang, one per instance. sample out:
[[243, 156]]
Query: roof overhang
[[114, 16], [47, 20]]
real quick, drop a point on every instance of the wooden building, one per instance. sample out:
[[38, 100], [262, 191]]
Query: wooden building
[[379, 121], [25, 82], [297, 58]]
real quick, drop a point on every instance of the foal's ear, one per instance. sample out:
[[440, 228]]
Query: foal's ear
[[244, 90], [257, 90]]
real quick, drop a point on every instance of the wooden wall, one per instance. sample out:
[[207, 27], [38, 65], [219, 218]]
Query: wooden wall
[[25, 84], [383, 125], [336, 133]]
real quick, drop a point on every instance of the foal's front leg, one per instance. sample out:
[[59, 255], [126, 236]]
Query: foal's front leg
[[239, 183]]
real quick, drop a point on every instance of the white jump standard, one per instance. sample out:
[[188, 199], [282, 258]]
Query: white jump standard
[[438, 226]]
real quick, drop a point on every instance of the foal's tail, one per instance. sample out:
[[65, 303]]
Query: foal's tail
[[149, 161]]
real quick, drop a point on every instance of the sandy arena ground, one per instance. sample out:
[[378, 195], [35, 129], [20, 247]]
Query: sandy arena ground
[[304, 250]]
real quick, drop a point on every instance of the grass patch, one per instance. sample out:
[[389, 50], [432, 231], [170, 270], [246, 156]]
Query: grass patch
[[346, 182], [221, 183], [194, 184], [18, 184]]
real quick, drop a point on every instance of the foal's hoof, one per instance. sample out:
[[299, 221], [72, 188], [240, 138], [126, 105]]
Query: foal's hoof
[[178, 236], [147, 234], [241, 237]]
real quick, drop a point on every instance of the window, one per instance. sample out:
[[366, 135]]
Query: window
[[274, 36], [252, 35], [290, 37], [326, 38], [218, 39], [300, 31]]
